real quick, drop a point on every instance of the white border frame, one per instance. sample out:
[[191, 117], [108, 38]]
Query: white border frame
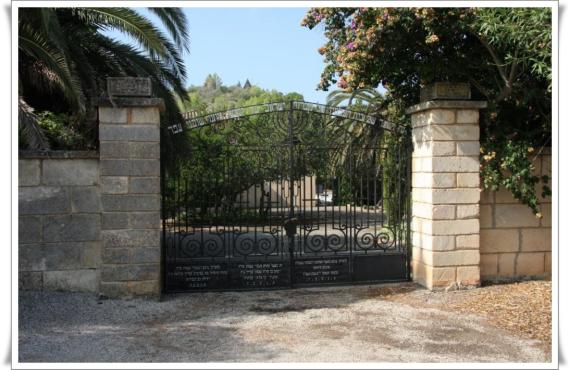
[[283, 4]]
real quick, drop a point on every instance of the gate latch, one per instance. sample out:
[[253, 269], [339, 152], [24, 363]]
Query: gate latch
[[291, 226]]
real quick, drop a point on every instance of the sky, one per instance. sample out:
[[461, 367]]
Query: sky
[[268, 46]]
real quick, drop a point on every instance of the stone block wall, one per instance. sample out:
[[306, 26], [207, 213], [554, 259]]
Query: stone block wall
[[59, 223], [445, 193], [129, 140], [461, 234], [90, 221], [514, 242]]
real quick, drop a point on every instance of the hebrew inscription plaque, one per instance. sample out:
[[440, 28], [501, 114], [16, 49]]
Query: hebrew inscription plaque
[[322, 270], [129, 86]]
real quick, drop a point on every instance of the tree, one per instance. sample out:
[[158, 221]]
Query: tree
[[504, 53], [382, 147], [207, 99], [64, 59], [212, 82], [228, 158]]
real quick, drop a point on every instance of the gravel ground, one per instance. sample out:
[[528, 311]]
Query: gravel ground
[[522, 308], [380, 323]]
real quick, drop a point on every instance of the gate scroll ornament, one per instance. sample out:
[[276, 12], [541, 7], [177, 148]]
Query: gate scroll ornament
[[268, 196]]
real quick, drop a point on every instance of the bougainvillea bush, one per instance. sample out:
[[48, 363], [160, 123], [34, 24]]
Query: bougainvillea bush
[[504, 53]]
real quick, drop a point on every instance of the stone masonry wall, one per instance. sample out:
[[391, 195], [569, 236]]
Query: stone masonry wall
[[59, 223], [445, 193], [514, 242], [90, 221], [130, 195]]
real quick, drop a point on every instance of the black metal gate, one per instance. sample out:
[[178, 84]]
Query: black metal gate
[[285, 194]]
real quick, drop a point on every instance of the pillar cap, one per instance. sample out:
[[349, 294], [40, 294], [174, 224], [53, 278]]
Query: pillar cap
[[446, 104], [129, 92], [446, 91], [123, 102]]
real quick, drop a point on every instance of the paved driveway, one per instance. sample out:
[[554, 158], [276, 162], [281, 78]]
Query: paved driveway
[[334, 324]]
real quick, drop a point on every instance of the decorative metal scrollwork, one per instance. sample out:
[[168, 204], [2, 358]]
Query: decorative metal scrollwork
[[189, 247], [325, 243], [288, 201], [256, 245], [367, 239]]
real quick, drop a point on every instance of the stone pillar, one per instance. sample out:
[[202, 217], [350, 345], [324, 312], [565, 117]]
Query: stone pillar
[[129, 137], [445, 187]]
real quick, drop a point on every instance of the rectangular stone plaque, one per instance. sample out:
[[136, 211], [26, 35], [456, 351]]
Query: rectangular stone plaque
[[275, 273], [322, 270], [211, 275], [208, 275], [261, 274], [129, 86], [445, 91]]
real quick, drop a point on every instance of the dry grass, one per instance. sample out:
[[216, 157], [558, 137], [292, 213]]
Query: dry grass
[[524, 308]]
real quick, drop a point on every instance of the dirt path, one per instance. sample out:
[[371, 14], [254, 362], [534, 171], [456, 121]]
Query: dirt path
[[336, 324]]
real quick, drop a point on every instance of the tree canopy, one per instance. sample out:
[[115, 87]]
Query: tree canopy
[[234, 155], [504, 53], [214, 96], [65, 57]]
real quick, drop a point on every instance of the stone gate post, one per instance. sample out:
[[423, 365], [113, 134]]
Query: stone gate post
[[445, 187], [129, 139]]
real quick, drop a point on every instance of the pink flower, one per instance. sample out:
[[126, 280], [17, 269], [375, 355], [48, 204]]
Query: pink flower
[[342, 83], [350, 46]]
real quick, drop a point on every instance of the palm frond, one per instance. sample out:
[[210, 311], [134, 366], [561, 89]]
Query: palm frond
[[29, 127], [140, 29], [176, 23], [38, 76], [173, 59], [64, 49], [51, 28], [36, 46], [127, 21], [133, 62], [353, 134]]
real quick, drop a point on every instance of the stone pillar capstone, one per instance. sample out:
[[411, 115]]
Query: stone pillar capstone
[[445, 187], [129, 137]]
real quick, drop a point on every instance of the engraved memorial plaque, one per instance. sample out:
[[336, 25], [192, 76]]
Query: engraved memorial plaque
[[330, 270], [197, 276], [228, 275], [129, 86], [261, 274]]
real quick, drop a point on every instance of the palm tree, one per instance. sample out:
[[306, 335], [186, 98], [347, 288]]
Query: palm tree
[[64, 59], [354, 135], [388, 151]]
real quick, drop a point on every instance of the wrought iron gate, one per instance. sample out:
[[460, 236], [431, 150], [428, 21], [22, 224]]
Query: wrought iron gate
[[285, 194]]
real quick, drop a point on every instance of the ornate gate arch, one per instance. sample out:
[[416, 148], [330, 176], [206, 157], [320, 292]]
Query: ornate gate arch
[[285, 194]]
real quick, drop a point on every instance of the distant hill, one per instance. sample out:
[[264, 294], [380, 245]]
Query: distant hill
[[214, 96]]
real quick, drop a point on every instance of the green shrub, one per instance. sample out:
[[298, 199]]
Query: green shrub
[[63, 132]]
